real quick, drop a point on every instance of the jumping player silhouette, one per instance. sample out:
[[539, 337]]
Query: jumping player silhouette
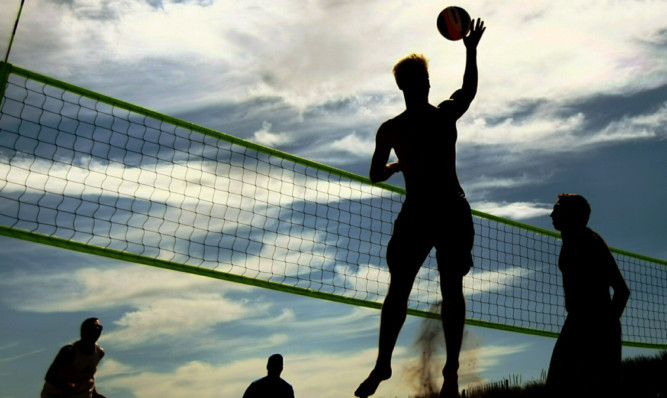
[[435, 212]]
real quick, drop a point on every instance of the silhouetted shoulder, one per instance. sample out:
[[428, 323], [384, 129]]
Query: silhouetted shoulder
[[67, 352], [269, 386], [390, 127], [457, 104], [394, 123]]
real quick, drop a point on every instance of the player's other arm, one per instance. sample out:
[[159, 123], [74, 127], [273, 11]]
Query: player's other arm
[[55, 375], [380, 169], [621, 290]]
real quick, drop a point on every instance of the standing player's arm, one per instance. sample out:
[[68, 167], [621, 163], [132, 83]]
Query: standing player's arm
[[55, 375], [621, 290], [380, 169], [95, 393]]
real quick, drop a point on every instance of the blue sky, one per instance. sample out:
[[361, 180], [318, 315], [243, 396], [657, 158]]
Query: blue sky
[[571, 99]]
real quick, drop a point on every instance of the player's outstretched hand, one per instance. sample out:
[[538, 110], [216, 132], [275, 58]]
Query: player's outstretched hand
[[477, 29]]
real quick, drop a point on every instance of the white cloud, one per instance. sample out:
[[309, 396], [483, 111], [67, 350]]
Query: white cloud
[[514, 210], [633, 128], [110, 367], [309, 53], [122, 285], [426, 290], [368, 281], [493, 281], [540, 131], [268, 138], [486, 182], [355, 145], [169, 318]]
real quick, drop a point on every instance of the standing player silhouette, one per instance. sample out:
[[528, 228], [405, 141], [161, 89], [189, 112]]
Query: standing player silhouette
[[586, 359], [435, 212]]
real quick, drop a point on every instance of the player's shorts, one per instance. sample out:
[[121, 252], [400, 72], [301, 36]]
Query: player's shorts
[[419, 228], [587, 355]]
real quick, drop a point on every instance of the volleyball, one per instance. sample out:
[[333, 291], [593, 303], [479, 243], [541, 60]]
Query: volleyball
[[453, 23]]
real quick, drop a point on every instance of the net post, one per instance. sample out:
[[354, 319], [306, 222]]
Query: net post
[[5, 70], [16, 25]]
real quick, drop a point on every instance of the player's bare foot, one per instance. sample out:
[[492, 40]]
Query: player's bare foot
[[450, 387], [368, 386]]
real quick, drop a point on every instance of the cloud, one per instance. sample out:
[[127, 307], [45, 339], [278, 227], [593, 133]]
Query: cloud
[[172, 318], [289, 75], [110, 367], [266, 137], [639, 127], [492, 281], [309, 53], [486, 186], [368, 281], [354, 145], [525, 133], [426, 290], [103, 288], [309, 373], [514, 210]]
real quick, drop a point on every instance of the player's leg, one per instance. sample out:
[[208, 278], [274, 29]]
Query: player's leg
[[564, 361], [453, 321], [394, 312], [392, 318], [404, 258], [454, 255]]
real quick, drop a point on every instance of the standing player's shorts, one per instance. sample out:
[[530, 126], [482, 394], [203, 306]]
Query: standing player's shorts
[[418, 228], [586, 358]]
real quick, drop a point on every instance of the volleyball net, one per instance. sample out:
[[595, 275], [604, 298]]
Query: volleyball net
[[87, 172]]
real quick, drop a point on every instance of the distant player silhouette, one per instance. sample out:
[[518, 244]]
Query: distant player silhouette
[[72, 373], [271, 385], [435, 212], [586, 359]]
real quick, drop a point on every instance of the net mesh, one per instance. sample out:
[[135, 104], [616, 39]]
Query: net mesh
[[84, 168]]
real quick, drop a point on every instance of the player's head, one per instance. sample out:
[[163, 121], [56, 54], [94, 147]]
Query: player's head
[[570, 212], [91, 329], [411, 73], [275, 365]]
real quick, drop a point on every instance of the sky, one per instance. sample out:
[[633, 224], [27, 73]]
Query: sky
[[571, 99]]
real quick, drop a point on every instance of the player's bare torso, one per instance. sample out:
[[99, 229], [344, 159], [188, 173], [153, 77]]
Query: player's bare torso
[[424, 141]]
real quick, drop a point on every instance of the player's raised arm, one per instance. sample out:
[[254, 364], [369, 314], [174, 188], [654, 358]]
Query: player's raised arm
[[470, 78]]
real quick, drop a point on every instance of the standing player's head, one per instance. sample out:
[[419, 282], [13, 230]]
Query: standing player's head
[[275, 365], [570, 212], [91, 329], [411, 73]]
